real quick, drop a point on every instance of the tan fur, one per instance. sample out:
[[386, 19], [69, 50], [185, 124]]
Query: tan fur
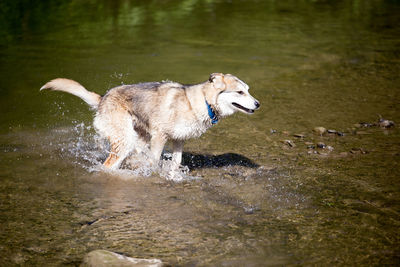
[[138, 117], [75, 88]]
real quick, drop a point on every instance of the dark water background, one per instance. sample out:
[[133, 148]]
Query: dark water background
[[261, 200]]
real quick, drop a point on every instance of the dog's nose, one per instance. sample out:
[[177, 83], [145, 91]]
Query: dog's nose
[[257, 104]]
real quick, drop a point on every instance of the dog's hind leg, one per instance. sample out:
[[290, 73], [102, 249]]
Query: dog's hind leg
[[118, 129], [115, 157]]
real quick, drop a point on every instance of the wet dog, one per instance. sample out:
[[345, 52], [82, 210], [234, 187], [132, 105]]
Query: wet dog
[[144, 116]]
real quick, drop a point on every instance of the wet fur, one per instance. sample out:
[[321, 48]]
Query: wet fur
[[140, 117]]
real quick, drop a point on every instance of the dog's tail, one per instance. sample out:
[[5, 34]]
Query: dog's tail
[[75, 88]]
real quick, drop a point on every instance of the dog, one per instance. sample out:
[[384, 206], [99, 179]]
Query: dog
[[146, 115]]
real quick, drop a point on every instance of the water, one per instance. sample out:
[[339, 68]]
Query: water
[[255, 195]]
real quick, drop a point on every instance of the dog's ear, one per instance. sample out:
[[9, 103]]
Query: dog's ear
[[217, 79]]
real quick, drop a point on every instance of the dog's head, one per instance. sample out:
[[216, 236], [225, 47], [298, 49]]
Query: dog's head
[[231, 95]]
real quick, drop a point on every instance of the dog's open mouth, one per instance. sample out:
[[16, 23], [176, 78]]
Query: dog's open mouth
[[243, 108]]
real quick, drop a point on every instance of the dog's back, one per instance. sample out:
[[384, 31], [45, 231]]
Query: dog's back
[[155, 108]]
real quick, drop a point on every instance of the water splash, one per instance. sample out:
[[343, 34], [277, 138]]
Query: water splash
[[169, 171], [84, 147], [119, 78], [80, 144]]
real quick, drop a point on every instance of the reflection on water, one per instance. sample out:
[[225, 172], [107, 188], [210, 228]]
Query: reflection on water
[[262, 190]]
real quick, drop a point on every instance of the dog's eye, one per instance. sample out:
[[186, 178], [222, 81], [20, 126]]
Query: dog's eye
[[241, 93]]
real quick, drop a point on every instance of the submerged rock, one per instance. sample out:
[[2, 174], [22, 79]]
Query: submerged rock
[[334, 132], [331, 131], [301, 136], [310, 145], [104, 258], [385, 123], [364, 124], [381, 123], [319, 130], [321, 145], [358, 151], [289, 143]]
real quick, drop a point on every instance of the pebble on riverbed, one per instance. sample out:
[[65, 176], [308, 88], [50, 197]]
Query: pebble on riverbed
[[319, 130], [385, 123], [289, 143], [331, 131], [321, 145], [315, 146], [104, 258], [358, 150], [364, 125], [301, 136]]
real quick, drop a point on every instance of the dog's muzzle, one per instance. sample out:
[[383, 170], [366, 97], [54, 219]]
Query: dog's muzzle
[[247, 110]]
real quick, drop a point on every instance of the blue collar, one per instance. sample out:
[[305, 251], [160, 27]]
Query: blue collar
[[211, 114]]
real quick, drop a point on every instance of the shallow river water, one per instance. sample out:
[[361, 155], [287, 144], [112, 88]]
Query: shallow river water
[[262, 190]]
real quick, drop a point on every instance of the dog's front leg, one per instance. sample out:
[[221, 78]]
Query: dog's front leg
[[157, 143], [177, 147]]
